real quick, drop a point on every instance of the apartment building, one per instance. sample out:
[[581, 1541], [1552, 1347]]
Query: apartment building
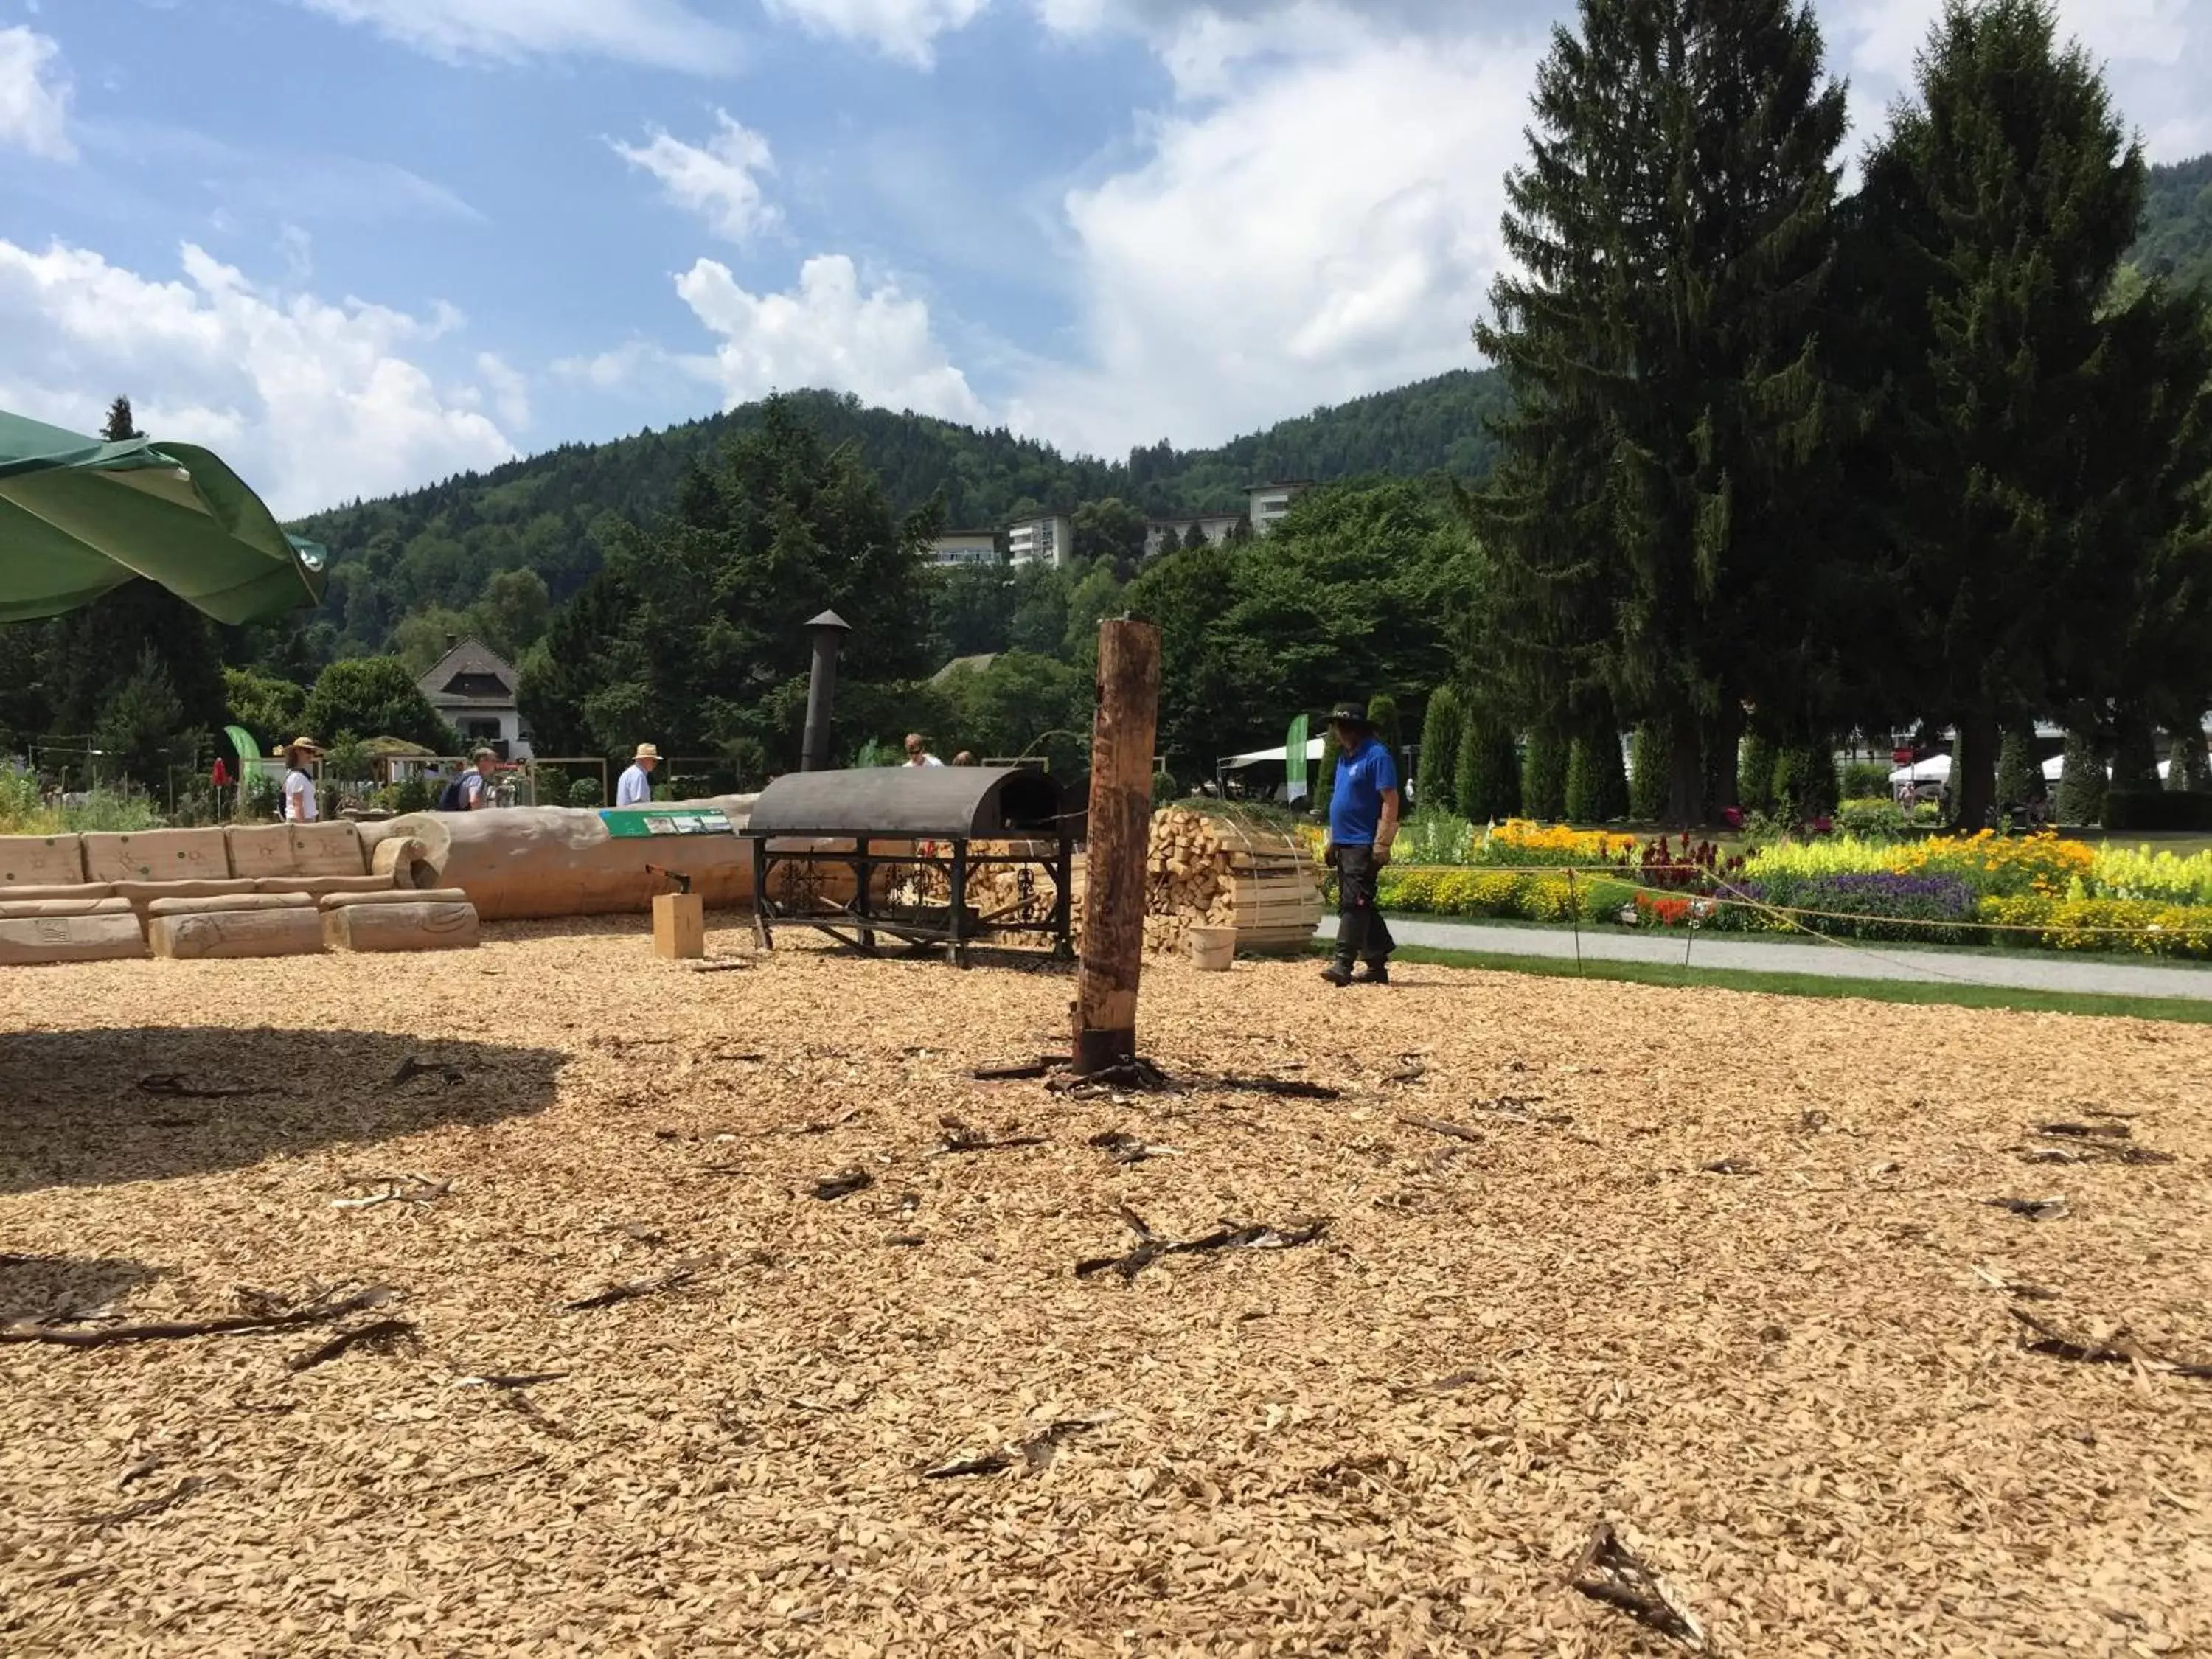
[[958, 547], [1268, 502], [1049, 540]]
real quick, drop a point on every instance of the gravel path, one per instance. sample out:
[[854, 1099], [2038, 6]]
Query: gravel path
[[1840, 960], [1703, 1265]]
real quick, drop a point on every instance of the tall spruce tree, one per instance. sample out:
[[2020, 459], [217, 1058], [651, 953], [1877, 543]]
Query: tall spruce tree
[[1996, 211], [1658, 501]]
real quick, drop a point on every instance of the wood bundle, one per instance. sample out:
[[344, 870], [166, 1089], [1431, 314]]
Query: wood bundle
[[1220, 872]]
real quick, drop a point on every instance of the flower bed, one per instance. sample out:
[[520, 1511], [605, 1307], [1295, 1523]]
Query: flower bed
[[1971, 889]]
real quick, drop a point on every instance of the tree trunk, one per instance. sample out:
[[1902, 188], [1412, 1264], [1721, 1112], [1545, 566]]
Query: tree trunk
[[1117, 840], [1686, 773], [1974, 771], [1723, 754]]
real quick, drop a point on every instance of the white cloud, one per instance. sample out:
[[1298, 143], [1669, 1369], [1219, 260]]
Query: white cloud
[[1333, 221], [312, 402], [878, 346], [2156, 55], [34, 95], [718, 180], [510, 388], [664, 34], [905, 29]]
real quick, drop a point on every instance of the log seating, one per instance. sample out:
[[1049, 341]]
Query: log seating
[[235, 890]]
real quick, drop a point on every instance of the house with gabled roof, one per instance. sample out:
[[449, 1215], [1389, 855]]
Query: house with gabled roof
[[474, 688]]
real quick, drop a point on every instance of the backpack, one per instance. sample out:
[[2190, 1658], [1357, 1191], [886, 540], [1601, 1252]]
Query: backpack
[[454, 797]]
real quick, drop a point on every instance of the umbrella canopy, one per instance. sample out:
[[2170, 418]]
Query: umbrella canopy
[[79, 517]]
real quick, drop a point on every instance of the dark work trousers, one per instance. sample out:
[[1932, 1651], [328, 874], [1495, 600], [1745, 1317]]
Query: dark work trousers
[[1361, 933]]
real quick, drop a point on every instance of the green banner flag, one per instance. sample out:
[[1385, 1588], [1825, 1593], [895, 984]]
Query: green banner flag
[[1294, 760]]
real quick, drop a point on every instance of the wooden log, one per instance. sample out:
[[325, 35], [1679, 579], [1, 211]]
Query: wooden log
[[1105, 1013], [421, 926], [103, 937], [395, 896], [295, 931]]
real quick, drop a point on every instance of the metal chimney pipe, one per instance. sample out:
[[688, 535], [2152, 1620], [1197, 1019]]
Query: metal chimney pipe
[[829, 630]]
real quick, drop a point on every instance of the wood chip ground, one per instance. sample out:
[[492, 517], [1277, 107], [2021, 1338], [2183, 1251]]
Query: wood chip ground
[[1789, 1390]]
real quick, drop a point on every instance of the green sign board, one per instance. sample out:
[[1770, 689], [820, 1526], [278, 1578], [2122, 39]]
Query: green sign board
[[642, 822], [1294, 759]]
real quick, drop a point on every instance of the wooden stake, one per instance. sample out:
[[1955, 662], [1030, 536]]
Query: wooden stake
[[1119, 839]]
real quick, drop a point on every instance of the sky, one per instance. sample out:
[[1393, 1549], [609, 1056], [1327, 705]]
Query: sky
[[357, 246]]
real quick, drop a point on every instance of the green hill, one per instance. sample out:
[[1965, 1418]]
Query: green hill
[[439, 546], [2177, 234]]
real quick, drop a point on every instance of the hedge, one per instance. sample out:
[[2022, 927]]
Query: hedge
[[2157, 809]]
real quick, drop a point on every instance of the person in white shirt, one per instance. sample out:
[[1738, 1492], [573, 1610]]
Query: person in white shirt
[[635, 787], [299, 781], [917, 751]]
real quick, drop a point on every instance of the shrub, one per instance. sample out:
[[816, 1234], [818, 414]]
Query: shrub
[[1437, 781], [2157, 809], [2188, 770], [1597, 783], [1648, 781], [1382, 715], [1865, 779], [1804, 787], [2019, 779], [1488, 782], [2082, 783], [1436, 838], [1871, 818], [1166, 789], [1543, 777], [1754, 774]]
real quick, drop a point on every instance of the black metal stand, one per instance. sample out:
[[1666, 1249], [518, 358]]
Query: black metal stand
[[788, 891]]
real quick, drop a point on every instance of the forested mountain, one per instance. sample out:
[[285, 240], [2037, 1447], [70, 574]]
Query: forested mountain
[[440, 546], [2177, 234]]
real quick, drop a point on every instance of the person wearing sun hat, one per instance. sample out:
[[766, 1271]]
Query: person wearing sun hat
[[635, 787], [1362, 821], [299, 782]]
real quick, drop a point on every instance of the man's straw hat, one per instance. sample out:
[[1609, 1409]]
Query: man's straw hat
[[645, 752]]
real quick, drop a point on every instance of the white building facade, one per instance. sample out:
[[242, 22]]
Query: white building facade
[[959, 547], [1268, 502], [1049, 540]]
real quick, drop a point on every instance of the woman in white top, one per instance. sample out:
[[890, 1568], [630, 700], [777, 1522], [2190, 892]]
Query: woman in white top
[[299, 781]]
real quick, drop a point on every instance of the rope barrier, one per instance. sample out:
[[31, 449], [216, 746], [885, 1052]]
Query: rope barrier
[[1628, 880]]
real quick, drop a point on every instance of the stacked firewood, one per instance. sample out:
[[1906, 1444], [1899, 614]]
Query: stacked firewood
[[1203, 872]]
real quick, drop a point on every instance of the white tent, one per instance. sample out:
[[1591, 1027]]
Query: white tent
[[1936, 768], [1272, 756]]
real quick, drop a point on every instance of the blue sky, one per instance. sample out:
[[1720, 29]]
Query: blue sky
[[362, 244]]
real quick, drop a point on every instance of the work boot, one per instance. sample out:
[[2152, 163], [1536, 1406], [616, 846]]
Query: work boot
[[1337, 973], [1375, 973]]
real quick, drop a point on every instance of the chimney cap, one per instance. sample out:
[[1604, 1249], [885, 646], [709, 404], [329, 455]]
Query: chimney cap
[[830, 619]]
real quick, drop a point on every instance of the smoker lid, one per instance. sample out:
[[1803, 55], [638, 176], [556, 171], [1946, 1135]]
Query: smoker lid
[[951, 802]]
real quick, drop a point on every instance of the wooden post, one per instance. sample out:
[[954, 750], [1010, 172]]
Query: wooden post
[[1118, 837]]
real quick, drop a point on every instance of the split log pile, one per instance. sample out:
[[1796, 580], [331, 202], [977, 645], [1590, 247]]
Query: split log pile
[[1207, 872]]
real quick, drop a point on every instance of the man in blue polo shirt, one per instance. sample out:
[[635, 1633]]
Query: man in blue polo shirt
[[1362, 821]]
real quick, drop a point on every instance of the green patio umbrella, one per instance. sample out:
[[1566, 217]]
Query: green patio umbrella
[[79, 517]]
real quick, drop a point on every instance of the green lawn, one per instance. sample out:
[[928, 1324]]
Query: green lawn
[[2180, 1010]]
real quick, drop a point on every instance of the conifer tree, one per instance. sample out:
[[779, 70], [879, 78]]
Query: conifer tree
[[1437, 781], [1996, 208], [1657, 499]]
